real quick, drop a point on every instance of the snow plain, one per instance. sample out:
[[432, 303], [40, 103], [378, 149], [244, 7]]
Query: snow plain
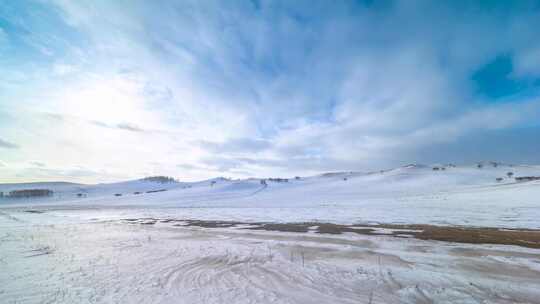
[[412, 194], [71, 249]]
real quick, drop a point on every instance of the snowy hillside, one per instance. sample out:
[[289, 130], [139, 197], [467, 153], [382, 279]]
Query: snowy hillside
[[138, 241], [463, 195]]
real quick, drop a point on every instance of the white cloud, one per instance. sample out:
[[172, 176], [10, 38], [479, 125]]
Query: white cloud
[[214, 87], [8, 145], [37, 164], [63, 69]]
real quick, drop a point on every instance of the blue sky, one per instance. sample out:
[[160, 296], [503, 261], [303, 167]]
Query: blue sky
[[108, 90]]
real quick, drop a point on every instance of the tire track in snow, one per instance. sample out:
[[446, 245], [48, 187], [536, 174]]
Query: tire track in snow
[[234, 278]]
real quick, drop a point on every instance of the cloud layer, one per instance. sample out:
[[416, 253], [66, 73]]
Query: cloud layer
[[7, 145], [197, 89]]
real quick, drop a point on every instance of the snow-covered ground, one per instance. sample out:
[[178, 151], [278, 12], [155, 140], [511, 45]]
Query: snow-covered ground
[[463, 195], [50, 259], [77, 247]]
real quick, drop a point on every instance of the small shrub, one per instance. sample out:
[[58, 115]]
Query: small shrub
[[527, 178], [279, 180], [154, 191], [160, 179], [26, 193]]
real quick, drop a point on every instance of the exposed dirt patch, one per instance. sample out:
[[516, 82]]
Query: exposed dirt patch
[[211, 224], [525, 238], [281, 227]]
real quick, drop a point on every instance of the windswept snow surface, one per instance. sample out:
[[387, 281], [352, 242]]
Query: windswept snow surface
[[463, 195], [50, 259], [78, 246]]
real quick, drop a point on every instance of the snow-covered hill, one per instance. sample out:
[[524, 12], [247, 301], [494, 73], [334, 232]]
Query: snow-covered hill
[[440, 194], [132, 241]]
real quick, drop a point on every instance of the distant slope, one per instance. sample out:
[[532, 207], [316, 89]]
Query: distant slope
[[336, 187], [55, 186], [456, 195]]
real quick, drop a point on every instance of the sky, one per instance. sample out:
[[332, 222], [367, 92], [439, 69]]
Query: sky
[[97, 91]]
